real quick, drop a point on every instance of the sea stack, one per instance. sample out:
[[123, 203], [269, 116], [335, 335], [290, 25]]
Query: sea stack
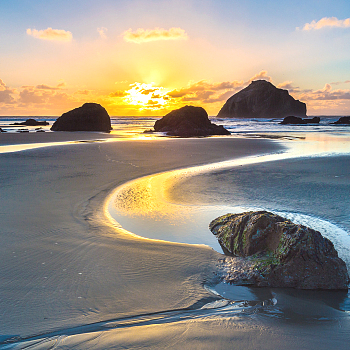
[[189, 121], [261, 99], [88, 117]]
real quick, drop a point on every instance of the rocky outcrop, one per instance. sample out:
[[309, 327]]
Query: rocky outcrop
[[273, 251], [88, 117], [188, 121], [342, 121], [297, 120], [32, 122], [262, 99]]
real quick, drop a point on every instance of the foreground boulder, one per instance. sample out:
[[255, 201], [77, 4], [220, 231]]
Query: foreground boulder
[[188, 121], [88, 117], [343, 121], [273, 251], [297, 120], [262, 99]]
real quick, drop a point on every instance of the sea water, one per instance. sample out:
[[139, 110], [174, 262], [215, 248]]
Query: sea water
[[134, 126]]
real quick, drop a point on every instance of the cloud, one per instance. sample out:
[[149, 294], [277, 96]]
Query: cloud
[[340, 82], [327, 22], [83, 92], [326, 94], [43, 94], [51, 34], [119, 93], [145, 35], [6, 93], [262, 75], [288, 85], [102, 31], [206, 92], [147, 91], [46, 87], [6, 97], [29, 96]]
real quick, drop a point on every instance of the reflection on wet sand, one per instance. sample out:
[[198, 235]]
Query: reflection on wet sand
[[147, 199]]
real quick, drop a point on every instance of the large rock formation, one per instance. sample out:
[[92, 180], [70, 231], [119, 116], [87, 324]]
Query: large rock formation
[[342, 121], [261, 99], [88, 117], [273, 251], [297, 120], [188, 121]]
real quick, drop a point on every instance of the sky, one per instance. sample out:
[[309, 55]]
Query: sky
[[138, 57]]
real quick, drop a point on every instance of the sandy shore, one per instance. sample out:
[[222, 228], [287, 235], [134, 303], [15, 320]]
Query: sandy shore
[[75, 280], [62, 264]]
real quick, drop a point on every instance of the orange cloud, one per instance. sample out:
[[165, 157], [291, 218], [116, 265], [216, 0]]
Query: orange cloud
[[51, 34], [47, 87], [327, 22], [82, 92], [288, 85], [326, 94], [119, 93], [6, 93], [262, 75], [145, 35], [207, 92], [6, 97]]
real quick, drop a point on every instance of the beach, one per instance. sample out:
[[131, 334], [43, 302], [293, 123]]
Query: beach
[[72, 277]]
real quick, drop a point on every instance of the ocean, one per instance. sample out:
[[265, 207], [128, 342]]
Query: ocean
[[134, 126]]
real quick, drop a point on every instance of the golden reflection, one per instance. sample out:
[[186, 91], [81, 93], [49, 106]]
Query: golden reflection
[[148, 197], [321, 144]]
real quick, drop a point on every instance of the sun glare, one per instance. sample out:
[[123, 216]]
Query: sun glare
[[147, 96]]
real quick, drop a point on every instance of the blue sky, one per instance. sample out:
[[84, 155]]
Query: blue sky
[[56, 55]]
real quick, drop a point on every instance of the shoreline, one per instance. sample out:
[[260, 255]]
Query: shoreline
[[66, 266], [165, 202], [55, 246]]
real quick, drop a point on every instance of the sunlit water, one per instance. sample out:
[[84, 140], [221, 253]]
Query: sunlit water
[[143, 206]]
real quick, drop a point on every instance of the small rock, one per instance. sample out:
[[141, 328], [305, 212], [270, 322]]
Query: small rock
[[32, 122], [297, 120], [343, 121]]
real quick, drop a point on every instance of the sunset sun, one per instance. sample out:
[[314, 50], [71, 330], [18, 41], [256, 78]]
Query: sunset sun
[[147, 96]]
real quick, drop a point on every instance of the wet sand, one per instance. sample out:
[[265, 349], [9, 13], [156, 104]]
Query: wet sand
[[318, 186], [64, 265], [70, 278]]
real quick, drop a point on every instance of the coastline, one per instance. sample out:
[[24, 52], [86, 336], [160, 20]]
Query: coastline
[[61, 265], [66, 266]]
